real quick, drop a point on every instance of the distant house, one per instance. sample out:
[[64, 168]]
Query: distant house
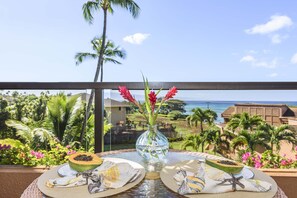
[[116, 111], [274, 114]]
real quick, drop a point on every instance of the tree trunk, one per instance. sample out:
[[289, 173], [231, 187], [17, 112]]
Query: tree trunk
[[101, 78], [201, 128], [99, 64]]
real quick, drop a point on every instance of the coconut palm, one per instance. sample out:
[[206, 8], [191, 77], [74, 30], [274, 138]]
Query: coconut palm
[[250, 140], [275, 134], [201, 116], [244, 121], [61, 110], [110, 54], [89, 8]]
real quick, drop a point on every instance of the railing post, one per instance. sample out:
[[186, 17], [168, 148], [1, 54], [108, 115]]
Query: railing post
[[99, 120]]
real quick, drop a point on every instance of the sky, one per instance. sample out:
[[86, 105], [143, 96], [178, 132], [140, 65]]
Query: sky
[[191, 40]]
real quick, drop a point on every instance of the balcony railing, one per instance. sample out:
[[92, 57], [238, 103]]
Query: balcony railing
[[99, 94]]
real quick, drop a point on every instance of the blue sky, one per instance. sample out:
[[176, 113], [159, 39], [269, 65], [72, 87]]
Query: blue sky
[[191, 40]]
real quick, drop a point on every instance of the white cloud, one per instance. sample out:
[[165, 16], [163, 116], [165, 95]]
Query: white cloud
[[294, 59], [260, 63], [272, 75], [276, 23], [276, 38], [137, 38], [247, 58]]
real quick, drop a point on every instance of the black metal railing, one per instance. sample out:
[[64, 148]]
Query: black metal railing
[[99, 94]]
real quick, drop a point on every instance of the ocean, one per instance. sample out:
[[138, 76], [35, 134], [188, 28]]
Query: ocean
[[220, 106]]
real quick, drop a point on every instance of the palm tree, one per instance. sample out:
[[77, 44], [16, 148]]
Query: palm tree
[[106, 6], [276, 134], [109, 54], [202, 116], [215, 138], [193, 141], [250, 140], [244, 121], [61, 110]]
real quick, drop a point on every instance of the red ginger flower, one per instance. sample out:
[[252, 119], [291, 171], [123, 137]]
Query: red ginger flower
[[125, 93], [153, 99], [170, 93]]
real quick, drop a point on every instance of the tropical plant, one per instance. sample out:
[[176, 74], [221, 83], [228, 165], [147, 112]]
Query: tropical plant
[[217, 140], [244, 121], [276, 134], [61, 111], [250, 140], [4, 115], [193, 141], [36, 138], [202, 116], [106, 6]]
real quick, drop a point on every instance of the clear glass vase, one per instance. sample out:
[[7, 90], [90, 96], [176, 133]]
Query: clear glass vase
[[152, 145]]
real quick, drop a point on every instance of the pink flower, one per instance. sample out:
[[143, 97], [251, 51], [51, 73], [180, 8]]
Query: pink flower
[[68, 146], [246, 156], [295, 148], [283, 162], [71, 152], [170, 93], [153, 99], [258, 165], [125, 93], [38, 155]]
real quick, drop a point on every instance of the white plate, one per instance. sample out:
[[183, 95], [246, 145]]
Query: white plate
[[246, 173], [66, 171], [82, 191]]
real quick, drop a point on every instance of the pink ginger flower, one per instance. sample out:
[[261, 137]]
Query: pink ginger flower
[[68, 146], [170, 93], [125, 93], [153, 99]]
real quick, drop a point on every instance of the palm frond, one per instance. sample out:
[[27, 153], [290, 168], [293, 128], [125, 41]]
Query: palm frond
[[130, 5], [82, 56], [88, 8]]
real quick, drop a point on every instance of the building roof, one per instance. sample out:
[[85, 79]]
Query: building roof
[[228, 112], [260, 105], [290, 111], [114, 103]]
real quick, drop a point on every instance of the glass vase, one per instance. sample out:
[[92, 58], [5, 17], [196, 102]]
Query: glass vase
[[152, 145]]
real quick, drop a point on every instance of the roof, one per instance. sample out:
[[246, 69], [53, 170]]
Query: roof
[[114, 103], [228, 112], [290, 111], [261, 105]]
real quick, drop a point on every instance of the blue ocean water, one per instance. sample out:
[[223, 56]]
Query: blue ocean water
[[220, 106]]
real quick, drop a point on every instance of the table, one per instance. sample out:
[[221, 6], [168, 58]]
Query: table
[[147, 188]]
